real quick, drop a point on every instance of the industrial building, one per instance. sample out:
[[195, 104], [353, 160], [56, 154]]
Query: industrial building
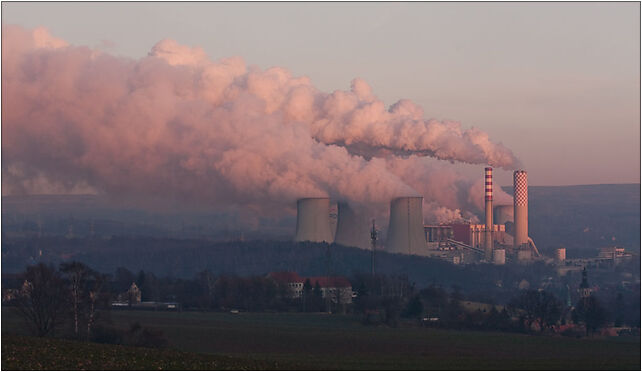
[[614, 253], [467, 233], [438, 233], [336, 289], [503, 237], [497, 240]]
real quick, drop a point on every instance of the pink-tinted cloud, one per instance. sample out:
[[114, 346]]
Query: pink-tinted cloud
[[214, 132]]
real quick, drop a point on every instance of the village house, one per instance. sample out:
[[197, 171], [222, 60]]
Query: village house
[[335, 288]]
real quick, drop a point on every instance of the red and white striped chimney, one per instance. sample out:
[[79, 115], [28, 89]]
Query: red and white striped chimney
[[488, 236]]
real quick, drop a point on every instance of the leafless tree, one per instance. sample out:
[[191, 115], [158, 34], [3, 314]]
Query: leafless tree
[[41, 301], [76, 273], [95, 291]]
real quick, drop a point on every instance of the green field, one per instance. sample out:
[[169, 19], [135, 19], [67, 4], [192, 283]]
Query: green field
[[321, 341]]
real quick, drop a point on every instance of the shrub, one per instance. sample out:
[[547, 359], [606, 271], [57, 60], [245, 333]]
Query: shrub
[[144, 337]]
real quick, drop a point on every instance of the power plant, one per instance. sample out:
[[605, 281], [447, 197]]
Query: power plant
[[501, 239]]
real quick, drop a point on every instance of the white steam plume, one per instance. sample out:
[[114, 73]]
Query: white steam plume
[[177, 124]]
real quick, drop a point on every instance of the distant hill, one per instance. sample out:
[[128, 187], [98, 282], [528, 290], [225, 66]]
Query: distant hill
[[580, 218], [185, 258], [584, 217]]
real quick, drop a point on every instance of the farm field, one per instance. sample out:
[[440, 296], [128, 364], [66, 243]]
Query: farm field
[[321, 341], [33, 353]]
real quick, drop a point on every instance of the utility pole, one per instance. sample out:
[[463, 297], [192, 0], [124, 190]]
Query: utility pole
[[373, 245]]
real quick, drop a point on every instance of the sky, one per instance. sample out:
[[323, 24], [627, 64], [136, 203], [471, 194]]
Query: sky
[[557, 83]]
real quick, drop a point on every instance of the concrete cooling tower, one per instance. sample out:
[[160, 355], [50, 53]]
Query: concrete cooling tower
[[520, 202], [503, 214], [313, 220], [353, 229], [406, 228]]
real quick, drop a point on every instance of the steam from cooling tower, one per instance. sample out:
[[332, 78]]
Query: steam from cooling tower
[[405, 131], [176, 124], [448, 195]]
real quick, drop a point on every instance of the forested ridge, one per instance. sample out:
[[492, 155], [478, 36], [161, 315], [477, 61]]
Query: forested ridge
[[184, 258]]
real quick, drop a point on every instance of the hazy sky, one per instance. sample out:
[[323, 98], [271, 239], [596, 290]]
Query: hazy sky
[[558, 83]]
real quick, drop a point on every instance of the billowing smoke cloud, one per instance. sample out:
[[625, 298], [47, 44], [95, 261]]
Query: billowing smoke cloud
[[177, 125], [448, 195]]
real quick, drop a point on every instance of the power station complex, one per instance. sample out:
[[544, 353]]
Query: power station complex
[[503, 236]]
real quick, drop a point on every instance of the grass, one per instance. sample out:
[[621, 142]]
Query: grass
[[33, 353], [321, 341]]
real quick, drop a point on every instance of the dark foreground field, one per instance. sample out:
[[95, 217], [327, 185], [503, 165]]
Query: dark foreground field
[[33, 353], [316, 341]]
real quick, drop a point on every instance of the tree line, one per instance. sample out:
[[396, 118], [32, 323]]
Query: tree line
[[73, 299]]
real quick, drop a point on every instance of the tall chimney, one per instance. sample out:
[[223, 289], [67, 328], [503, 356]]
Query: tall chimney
[[520, 215], [488, 235]]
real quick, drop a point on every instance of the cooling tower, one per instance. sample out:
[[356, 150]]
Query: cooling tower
[[488, 231], [353, 229], [313, 220], [406, 228], [503, 214], [520, 213], [333, 220]]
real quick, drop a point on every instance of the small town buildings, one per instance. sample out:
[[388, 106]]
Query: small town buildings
[[131, 297], [334, 288]]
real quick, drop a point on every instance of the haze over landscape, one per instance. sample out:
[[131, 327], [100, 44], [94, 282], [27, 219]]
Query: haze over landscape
[[465, 170]]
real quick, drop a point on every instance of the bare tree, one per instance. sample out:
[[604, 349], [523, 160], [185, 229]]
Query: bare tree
[[41, 302], [95, 290], [536, 307], [76, 273]]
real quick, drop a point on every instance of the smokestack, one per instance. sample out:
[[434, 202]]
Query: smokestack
[[520, 214], [313, 220], [488, 235], [406, 228], [352, 228]]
